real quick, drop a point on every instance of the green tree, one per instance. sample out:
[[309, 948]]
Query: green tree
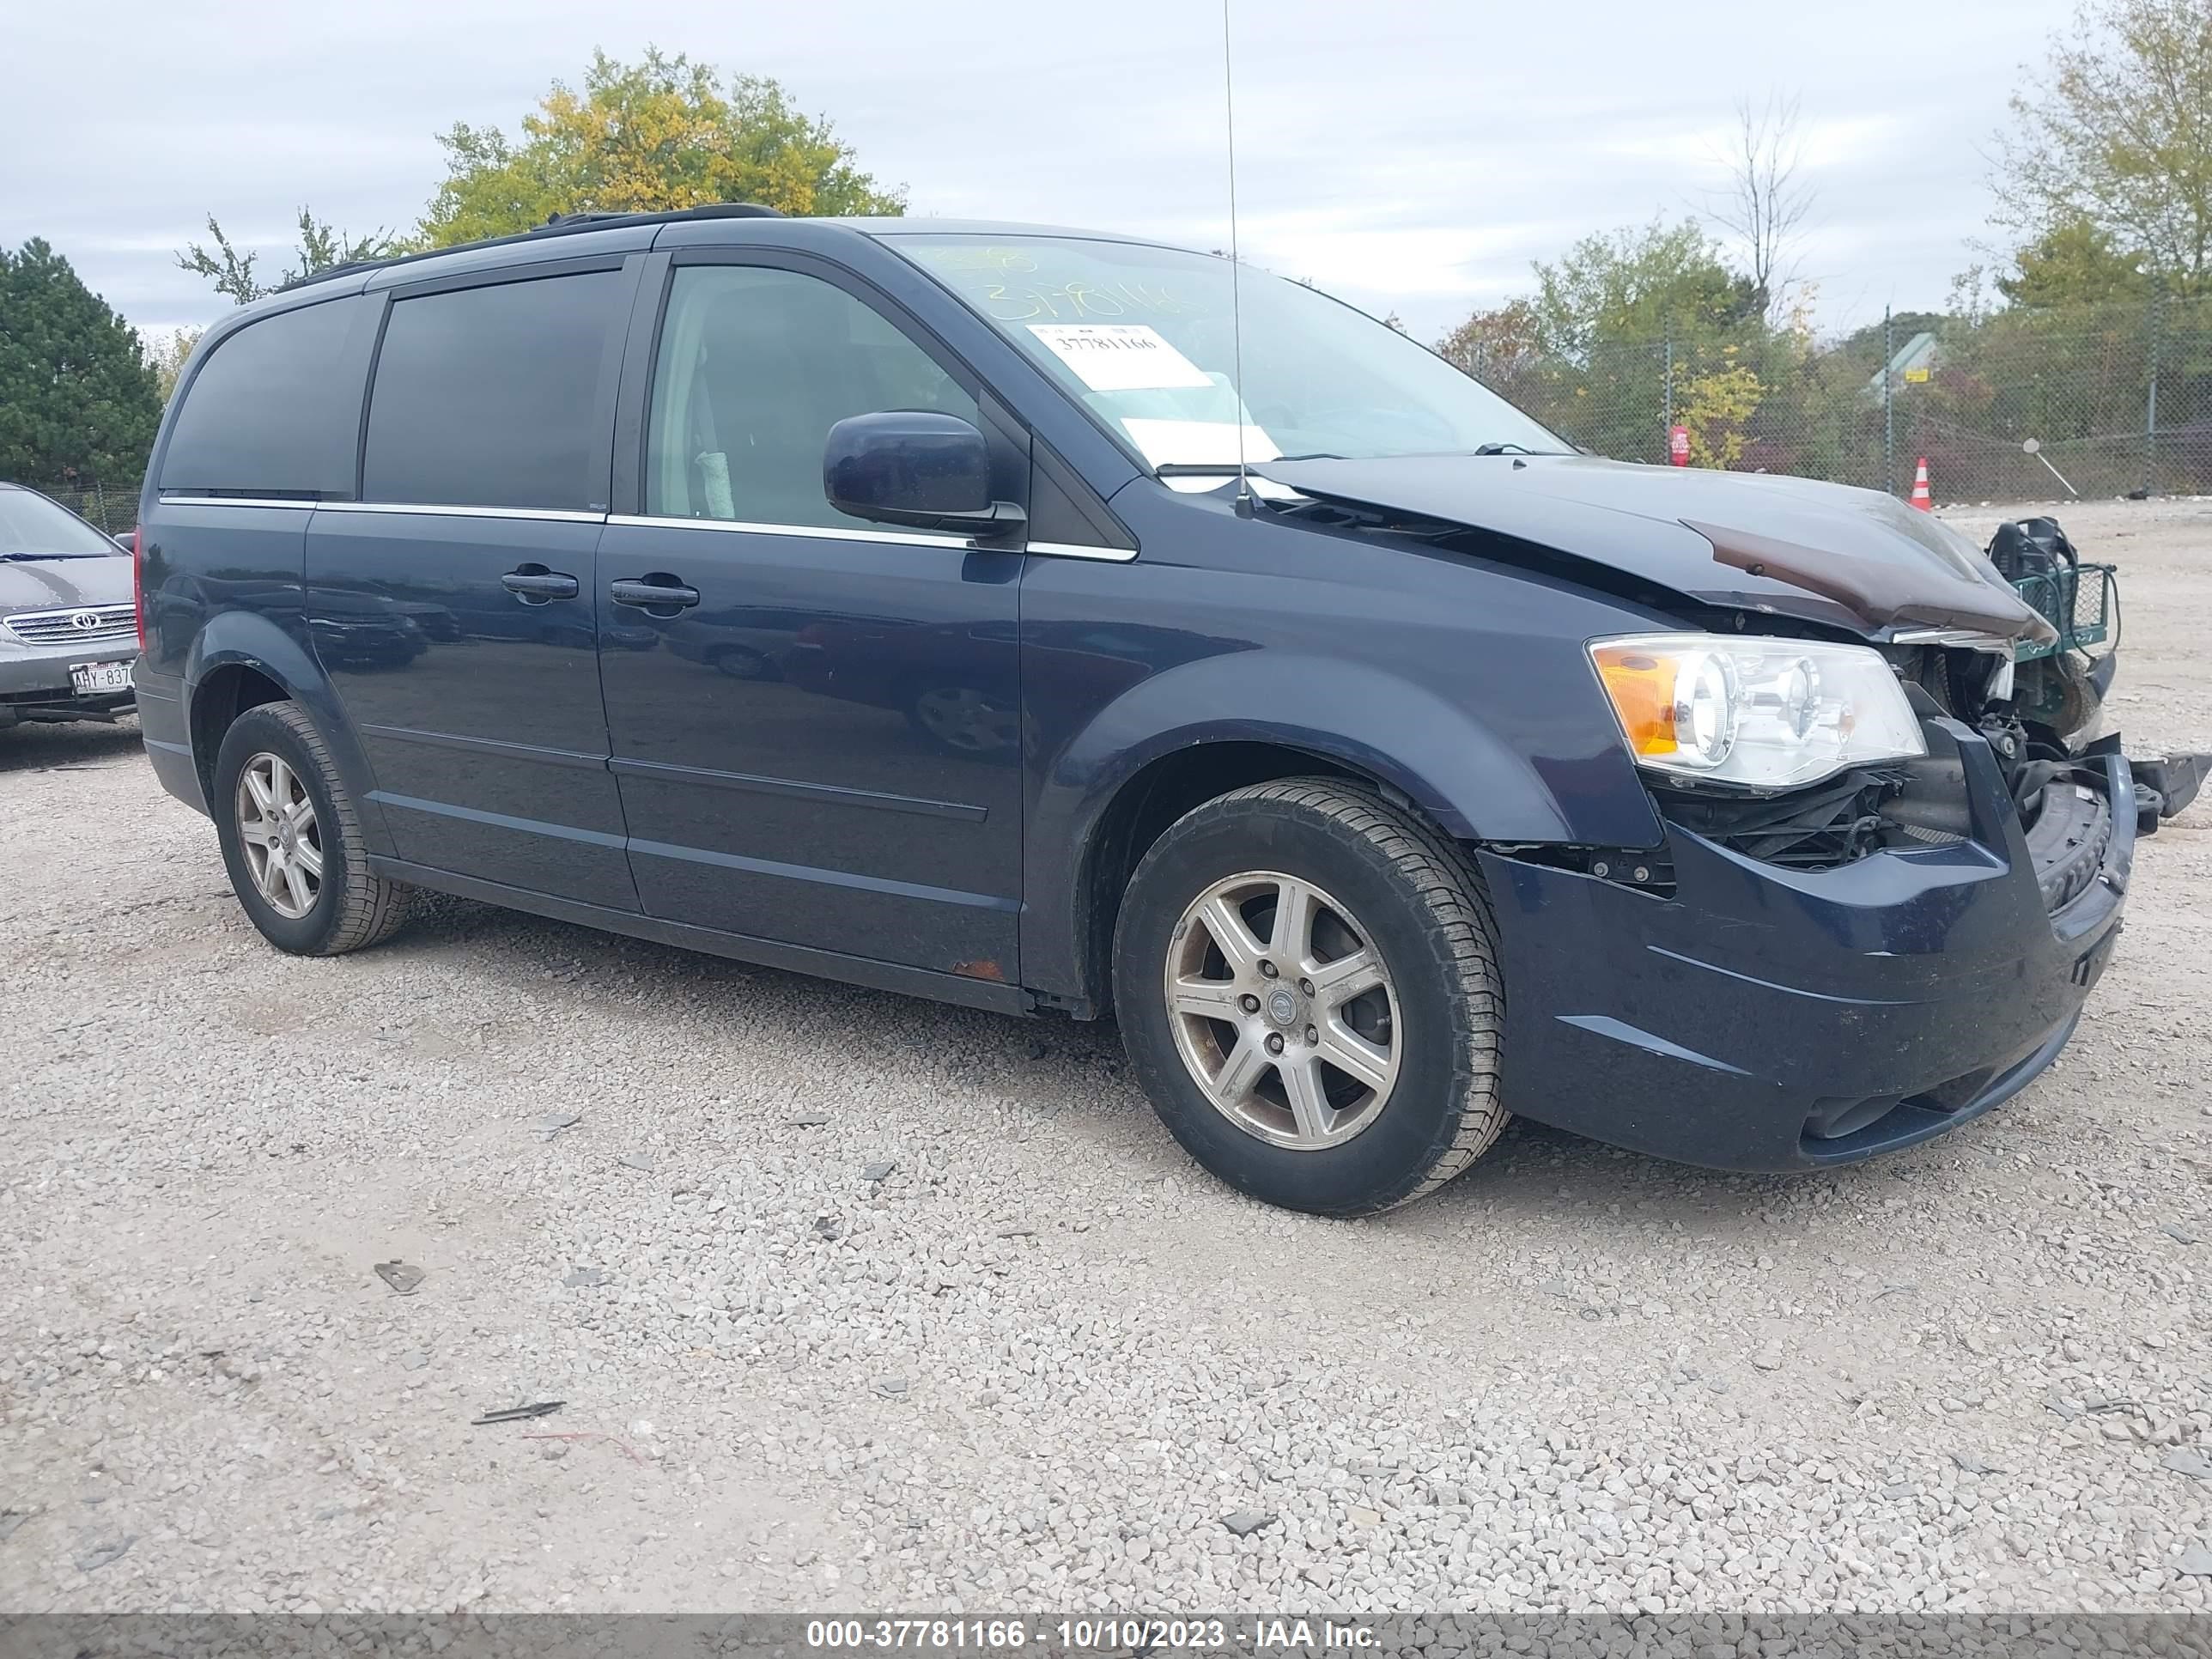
[[168, 356], [321, 247], [75, 388], [1588, 353], [659, 134], [1643, 284], [2117, 133], [2073, 263]]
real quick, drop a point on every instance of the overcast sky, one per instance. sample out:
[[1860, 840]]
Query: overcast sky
[[1408, 155]]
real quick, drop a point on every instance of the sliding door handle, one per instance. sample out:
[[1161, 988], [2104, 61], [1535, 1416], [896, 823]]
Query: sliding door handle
[[653, 593]]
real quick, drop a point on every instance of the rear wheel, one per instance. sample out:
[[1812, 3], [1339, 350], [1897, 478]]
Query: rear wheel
[[1306, 980], [291, 838]]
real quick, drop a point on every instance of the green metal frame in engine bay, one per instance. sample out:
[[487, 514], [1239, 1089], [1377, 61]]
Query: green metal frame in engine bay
[[2082, 602]]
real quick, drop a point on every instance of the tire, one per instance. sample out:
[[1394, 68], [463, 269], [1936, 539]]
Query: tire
[[1373, 876], [346, 906]]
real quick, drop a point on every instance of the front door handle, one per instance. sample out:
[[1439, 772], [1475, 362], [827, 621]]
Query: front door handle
[[653, 593], [534, 584]]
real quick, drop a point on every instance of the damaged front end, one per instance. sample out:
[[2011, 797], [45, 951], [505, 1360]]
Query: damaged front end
[[1804, 977], [1894, 837], [2048, 713], [2041, 705], [2017, 641], [2038, 702]]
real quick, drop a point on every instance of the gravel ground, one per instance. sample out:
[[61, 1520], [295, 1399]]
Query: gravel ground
[[856, 1301]]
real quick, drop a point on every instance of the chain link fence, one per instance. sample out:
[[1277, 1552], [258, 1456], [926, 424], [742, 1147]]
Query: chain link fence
[[109, 503], [2114, 400]]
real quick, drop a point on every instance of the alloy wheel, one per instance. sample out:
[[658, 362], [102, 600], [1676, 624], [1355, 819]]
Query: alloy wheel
[[280, 835], [1283, 1010]]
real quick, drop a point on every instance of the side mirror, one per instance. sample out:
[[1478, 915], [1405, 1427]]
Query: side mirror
[[914, 467]]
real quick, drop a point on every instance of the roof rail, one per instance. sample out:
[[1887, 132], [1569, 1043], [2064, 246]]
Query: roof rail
[[329, 271], [604, 216], [561, 224]]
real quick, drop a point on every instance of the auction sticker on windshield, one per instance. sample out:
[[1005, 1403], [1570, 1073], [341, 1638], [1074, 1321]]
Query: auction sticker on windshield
[[1198, 443], [1120, 357]]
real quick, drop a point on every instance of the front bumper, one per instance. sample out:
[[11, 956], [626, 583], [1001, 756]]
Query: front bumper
[[1777, 1019], [36, 684]]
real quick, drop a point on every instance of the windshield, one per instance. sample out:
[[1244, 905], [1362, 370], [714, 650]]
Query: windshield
[[1145, 336], [31, 526]]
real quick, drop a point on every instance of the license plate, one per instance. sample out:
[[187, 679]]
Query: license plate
[[91, 678]]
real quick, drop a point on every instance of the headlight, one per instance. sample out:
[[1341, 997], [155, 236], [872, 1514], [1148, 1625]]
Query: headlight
[[1763, 714]]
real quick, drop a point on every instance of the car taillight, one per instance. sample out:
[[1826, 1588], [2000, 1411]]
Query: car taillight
[[139, 580]]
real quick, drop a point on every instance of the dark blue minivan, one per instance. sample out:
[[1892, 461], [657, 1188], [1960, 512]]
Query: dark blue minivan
[[959, 610]]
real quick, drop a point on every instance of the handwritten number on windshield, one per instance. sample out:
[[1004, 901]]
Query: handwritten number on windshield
[[1078, 300]]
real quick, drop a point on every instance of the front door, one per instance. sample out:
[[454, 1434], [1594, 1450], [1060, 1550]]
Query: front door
[[453, 607], [815, 721]]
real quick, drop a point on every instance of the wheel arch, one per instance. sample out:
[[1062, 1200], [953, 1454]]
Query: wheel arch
[[1161, 749], [223, 693], [242, 660], [1140, 812]]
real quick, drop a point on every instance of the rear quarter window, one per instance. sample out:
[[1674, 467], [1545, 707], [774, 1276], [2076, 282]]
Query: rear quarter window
[[276, 407]]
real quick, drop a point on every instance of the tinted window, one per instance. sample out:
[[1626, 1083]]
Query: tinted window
[[755, 367], [276, 407], [492, 397]]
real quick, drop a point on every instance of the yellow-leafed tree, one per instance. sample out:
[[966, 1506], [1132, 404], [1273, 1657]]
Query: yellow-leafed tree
[[659, 134], [1714, 404]]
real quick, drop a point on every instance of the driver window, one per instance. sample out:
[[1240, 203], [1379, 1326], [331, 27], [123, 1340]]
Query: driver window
[[756, 365]]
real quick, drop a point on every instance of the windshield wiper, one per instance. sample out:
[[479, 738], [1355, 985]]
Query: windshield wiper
[[1227, 469], [1504, 449], [27, 556]]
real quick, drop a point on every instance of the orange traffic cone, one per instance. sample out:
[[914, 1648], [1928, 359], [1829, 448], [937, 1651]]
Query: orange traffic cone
[[1921, 498]]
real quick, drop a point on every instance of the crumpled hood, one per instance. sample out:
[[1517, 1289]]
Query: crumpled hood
[[52, 584], [1766, 543]]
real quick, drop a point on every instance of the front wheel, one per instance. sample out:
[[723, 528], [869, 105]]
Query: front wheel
[[1307, 984]]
